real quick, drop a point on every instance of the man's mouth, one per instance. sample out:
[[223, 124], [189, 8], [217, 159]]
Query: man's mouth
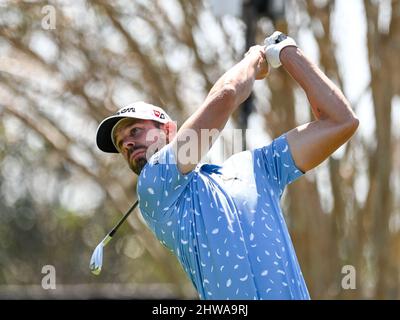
[[135, 155]]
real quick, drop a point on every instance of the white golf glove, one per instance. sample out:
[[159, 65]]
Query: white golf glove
[[273, 46]]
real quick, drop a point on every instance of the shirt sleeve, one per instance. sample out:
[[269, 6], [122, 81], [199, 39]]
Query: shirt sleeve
[[277, 162], [161, 183]]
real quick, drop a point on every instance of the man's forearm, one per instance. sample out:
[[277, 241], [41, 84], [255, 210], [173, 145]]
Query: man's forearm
[[231, 89], [326, 99], [240, 78], [227, 94]]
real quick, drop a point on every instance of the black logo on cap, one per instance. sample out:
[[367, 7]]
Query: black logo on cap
[[125, 110]]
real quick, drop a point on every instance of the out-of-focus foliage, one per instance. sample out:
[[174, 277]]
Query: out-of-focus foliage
[[60, 195]]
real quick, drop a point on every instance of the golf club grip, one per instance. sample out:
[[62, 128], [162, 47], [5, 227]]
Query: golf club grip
[[123, 218]]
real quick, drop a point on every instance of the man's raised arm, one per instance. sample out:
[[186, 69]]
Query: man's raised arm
[[233, 88], [313, 142]]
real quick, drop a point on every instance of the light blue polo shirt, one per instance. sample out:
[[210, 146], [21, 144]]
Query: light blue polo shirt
[[225, 224]]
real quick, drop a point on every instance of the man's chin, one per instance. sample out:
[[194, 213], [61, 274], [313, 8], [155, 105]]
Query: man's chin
[[138, 166]]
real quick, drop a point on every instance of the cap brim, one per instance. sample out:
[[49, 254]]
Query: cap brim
[[103, 136]]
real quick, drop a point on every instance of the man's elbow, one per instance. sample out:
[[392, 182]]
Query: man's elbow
[[355, 122], [350, 125]]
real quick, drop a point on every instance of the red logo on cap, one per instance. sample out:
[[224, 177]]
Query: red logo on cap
[[156, 113]]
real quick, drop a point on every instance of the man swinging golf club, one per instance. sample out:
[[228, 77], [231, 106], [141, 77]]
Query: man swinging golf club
[[224, 223]]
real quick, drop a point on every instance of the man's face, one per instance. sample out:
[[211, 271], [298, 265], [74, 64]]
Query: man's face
[[133, 137]]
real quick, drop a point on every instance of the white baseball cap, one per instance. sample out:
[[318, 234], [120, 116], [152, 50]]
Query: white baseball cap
[[136, 110]]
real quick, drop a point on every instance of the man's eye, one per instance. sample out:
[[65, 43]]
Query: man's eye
[[135, 131]]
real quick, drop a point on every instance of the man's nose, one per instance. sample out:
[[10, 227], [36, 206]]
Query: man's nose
[[128, 144]]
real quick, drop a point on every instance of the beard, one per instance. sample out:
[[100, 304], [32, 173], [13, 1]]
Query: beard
[[138, 165]]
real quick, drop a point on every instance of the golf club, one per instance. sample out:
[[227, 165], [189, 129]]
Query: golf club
[[96, 262]]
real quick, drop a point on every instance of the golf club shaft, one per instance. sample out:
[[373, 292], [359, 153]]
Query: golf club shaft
[[111, 233]]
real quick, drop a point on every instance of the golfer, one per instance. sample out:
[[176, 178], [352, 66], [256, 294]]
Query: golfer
[[225, 223]]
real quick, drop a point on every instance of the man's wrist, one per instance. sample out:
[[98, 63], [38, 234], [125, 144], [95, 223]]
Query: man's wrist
[[274, 44], [258, 63], [287, 53]]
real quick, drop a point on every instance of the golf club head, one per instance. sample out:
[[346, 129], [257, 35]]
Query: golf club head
[[96, 262]]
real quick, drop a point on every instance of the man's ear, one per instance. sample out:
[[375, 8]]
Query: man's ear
[[170, 128]]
